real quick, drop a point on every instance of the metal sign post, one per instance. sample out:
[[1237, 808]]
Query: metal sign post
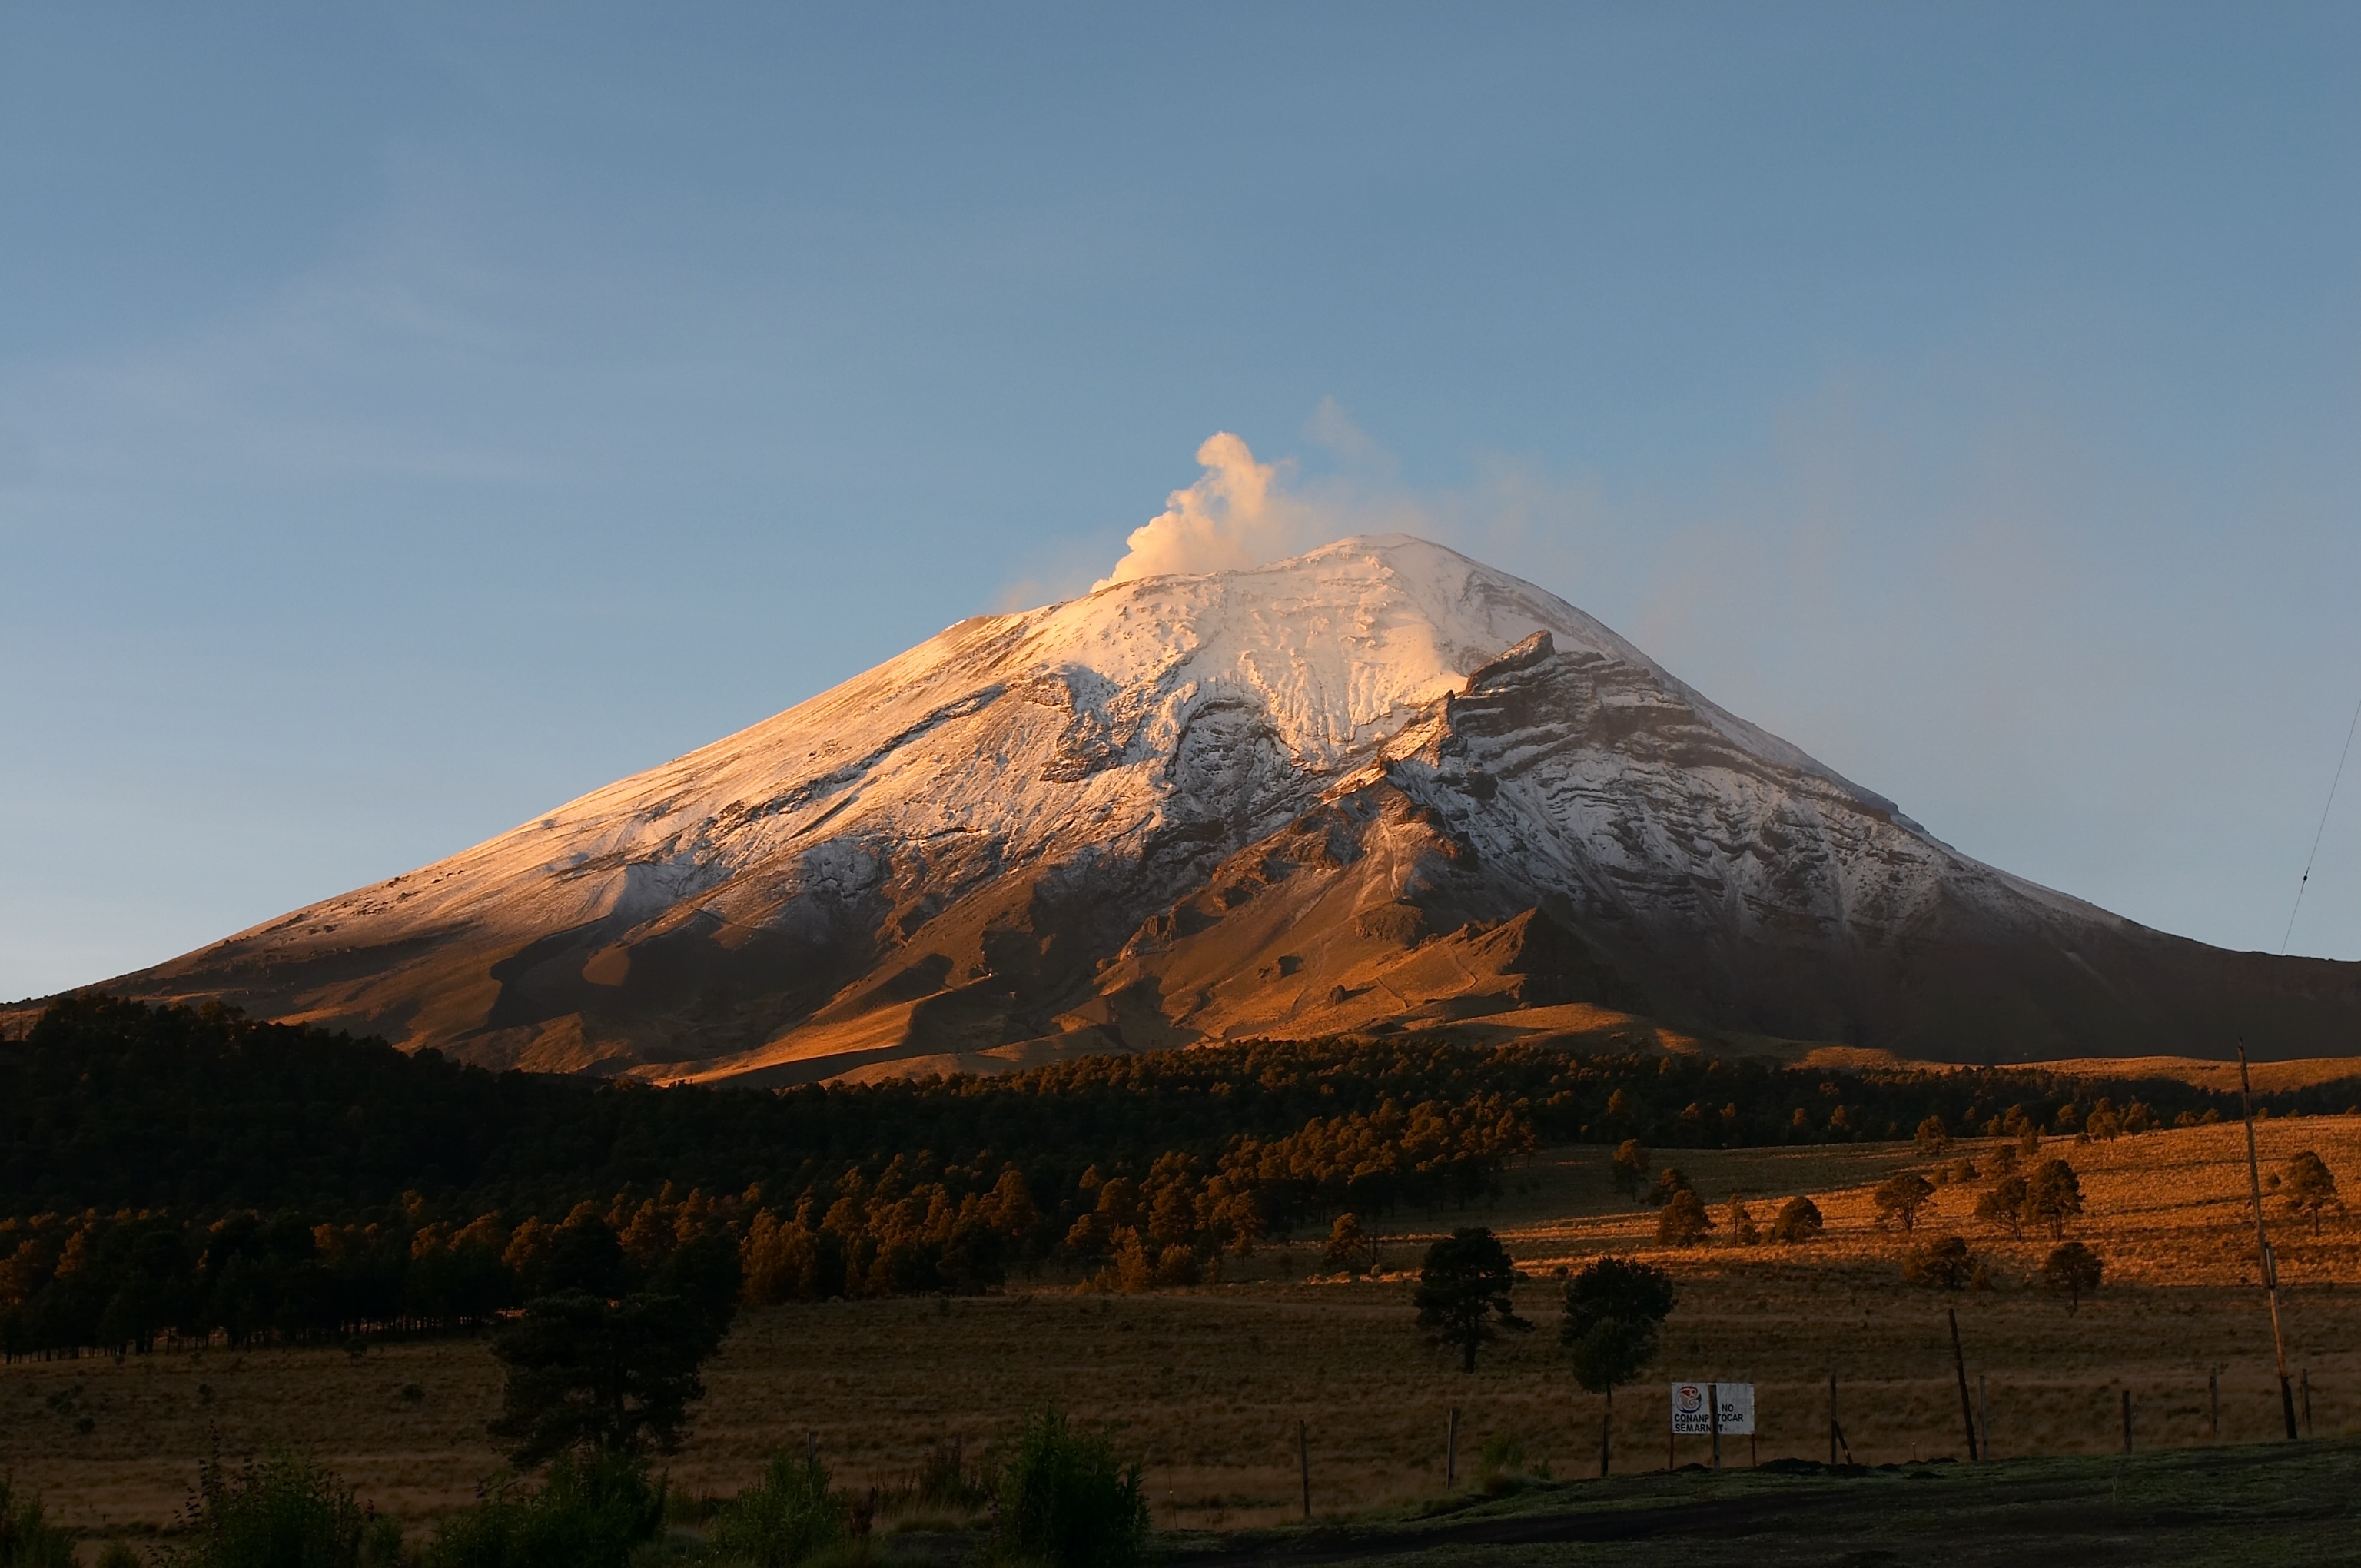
[[1710, 1409]]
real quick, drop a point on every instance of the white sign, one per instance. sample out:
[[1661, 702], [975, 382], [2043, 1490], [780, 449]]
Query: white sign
[[1693, 1415]]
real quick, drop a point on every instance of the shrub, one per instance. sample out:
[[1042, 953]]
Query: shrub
[[590, 1513], [283, 1511], [1944, 1263], [1068, 1501], [113, 1554], [784, 1520], [1742, 1228], [28, 1540], [1501, 1466], [945, 1480], [1933, 1136], [1798, 1221], [1683, 1221]]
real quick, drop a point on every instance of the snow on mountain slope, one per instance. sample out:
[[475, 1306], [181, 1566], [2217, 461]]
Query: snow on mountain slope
[[1374, 786]]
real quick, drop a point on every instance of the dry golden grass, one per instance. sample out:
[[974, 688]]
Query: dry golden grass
[[2222, 1077], [1208, 1385]]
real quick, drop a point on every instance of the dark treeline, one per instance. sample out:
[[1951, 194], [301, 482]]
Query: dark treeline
[[173, 1170]]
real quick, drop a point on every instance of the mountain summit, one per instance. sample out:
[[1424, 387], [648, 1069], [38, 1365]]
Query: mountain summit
[[1376, 787]]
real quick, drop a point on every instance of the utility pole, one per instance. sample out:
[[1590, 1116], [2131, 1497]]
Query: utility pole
[[2263, 1243]]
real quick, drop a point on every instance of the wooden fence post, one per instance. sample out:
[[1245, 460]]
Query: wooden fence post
[[1984, 1410], [2213, 1402], [2128, 1420], [1303, 1455], [1832, 1420], [1451, 1452], [2305, 1376], [1713, 1419], [1960, 1364]]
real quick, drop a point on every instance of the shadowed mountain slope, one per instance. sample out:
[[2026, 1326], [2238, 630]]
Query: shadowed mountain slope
[[1378, 786]]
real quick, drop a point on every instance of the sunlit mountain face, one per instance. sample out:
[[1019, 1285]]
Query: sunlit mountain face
[[1377, 787]]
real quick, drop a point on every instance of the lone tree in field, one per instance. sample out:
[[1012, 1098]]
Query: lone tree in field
[[1683, 1221], [1797, 1222], [1944, 1264], [2072, 1271], [1899, 1199], [1630, 1165], [2309, 1187], [612, 1377], [2004, 1206], [1463, 1295], [2053, 1195], [1933, 1136], [1671, 1183], [1615, 1312]]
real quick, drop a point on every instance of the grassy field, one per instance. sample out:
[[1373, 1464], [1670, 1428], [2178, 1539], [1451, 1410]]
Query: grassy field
[[1208, 1386]]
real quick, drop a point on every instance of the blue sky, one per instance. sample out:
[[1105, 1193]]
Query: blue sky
[[411, 417]]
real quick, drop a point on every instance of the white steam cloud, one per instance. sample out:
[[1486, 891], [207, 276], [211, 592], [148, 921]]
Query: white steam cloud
[[1235, 515]]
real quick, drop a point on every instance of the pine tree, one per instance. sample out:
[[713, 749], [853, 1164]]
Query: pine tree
[[1615, 1312], [1463, 1297]]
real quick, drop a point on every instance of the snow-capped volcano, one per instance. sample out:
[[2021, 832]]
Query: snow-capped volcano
[[1376, 786]]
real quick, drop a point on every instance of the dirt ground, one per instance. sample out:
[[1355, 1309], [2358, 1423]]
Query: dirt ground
[[1209, 1385]]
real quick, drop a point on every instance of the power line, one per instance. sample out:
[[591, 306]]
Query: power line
[[2321, 829]]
